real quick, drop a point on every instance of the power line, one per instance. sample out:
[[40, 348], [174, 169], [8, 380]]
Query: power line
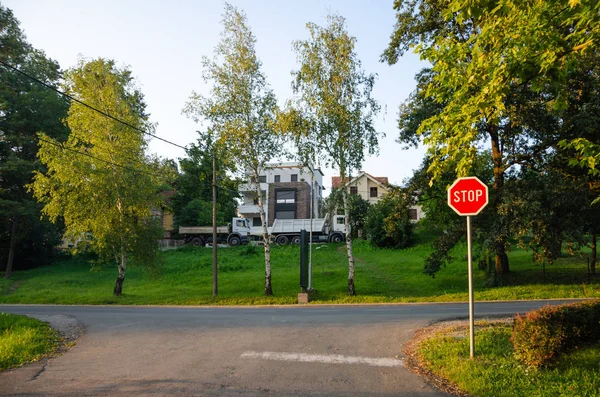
[[99, 159], [89, 106]]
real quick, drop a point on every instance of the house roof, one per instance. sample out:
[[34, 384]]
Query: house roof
[[336, 181]]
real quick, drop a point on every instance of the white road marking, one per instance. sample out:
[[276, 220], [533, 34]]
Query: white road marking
[[327, 359]]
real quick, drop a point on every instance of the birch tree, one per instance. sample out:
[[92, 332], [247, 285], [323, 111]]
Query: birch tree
[[240, 109], [334, 95], [99, 180]]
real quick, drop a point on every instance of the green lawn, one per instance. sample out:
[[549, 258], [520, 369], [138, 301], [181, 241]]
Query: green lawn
[[23, 340], [495, 373], [381, 276]]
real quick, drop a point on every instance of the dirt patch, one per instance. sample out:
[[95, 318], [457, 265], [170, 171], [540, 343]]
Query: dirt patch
[[457, 328]]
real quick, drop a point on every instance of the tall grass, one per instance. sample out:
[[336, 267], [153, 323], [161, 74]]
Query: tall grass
[[24, 340]]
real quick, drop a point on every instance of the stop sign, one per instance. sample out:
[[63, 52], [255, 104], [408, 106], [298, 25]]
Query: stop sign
[[468, 196]]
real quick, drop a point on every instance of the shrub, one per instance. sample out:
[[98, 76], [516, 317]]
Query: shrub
[[388, 222], [541, 335]]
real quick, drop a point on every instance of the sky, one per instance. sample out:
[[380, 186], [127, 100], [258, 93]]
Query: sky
[[163, 43]]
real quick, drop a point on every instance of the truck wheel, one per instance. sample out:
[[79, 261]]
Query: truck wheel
[[296, 240], [234, 241], [336, 238], [197, 242], [281, 240]]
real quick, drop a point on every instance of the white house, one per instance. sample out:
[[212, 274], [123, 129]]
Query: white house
[[372, 188]]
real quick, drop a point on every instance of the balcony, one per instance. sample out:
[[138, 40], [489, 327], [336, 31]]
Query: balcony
[[250, 187], [248, 209]]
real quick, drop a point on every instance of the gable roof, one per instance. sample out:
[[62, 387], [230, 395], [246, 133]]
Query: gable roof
[[336, 181]]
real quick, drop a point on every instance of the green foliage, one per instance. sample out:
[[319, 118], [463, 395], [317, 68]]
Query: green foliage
[[359, 208], [541, 335], [241, 108], [23, 340], [99, 181], [548, 211], [192, 203], [388, 222], [26, 108], [494, 372], [335, 105]]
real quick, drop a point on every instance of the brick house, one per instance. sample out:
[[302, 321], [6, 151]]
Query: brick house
[[286, 191]]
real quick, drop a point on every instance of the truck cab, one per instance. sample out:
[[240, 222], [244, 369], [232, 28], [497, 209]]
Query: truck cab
[[240, 226]]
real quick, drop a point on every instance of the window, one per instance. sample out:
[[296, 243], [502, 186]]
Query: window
[[277, 178], [340, 221], [285, 214], [294, 177], [285, 197], [353, 190], [256, 221], [373, 192], [240, 223], [412, 213], [285, 204], [262, 179]]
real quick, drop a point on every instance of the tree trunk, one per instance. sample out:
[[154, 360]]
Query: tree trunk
[[499, 243], [121, 276], [351, 288], [593, 259], [11, 249], [266, 239]]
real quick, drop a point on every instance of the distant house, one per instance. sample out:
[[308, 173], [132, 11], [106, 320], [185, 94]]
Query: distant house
[[164, 213], [367, 186], [286, 191], [371, 188]]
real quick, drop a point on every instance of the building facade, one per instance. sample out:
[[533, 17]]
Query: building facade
[[286, 191], [372, 188]]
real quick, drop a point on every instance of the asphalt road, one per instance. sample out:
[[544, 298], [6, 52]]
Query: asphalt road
[[247, 351]]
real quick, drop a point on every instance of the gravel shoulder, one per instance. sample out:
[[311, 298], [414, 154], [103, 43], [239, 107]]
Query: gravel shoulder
[[69, 328]]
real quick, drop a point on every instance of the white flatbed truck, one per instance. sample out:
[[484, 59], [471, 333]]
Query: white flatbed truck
[[234, 234]]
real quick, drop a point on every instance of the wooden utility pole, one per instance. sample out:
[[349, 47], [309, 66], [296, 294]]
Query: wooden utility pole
[[215, 284]]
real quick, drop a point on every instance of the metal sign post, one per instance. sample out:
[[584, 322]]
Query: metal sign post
[[467, 197]]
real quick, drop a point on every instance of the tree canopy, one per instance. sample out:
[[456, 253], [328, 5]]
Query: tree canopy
[[99, 180]]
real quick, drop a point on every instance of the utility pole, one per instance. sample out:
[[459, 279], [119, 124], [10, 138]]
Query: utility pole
[[310, 235], [215, 285]]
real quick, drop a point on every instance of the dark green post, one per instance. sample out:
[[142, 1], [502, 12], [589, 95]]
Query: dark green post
[[303, 260]]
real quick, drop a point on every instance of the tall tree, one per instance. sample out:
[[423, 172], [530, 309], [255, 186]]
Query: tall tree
[[26, 107], [192, 201], [334, 95], [100, 181], [485, 56], [241, 108]]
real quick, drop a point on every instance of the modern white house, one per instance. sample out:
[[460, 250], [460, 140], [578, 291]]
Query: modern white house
[[372, 188], [286, 188]]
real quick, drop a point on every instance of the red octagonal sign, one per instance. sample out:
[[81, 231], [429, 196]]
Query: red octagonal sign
[[468, 196]]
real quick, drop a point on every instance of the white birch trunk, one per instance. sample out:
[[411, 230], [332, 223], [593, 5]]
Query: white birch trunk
[[266, 239], [351, 289]]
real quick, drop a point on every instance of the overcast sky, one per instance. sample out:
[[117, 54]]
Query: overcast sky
[[163, 43]]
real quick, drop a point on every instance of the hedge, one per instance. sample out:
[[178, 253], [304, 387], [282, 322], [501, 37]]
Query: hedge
[[541, 335]]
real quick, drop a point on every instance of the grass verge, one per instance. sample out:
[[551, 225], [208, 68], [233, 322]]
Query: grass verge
[[24, 340], [382, 276], [444, 355]]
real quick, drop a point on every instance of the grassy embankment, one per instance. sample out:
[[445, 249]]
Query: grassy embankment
[[23, 340], [381, 276], [495, 373]]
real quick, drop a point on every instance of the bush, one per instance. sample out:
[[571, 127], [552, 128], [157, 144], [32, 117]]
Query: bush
[[388, 222], [541, 335]]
